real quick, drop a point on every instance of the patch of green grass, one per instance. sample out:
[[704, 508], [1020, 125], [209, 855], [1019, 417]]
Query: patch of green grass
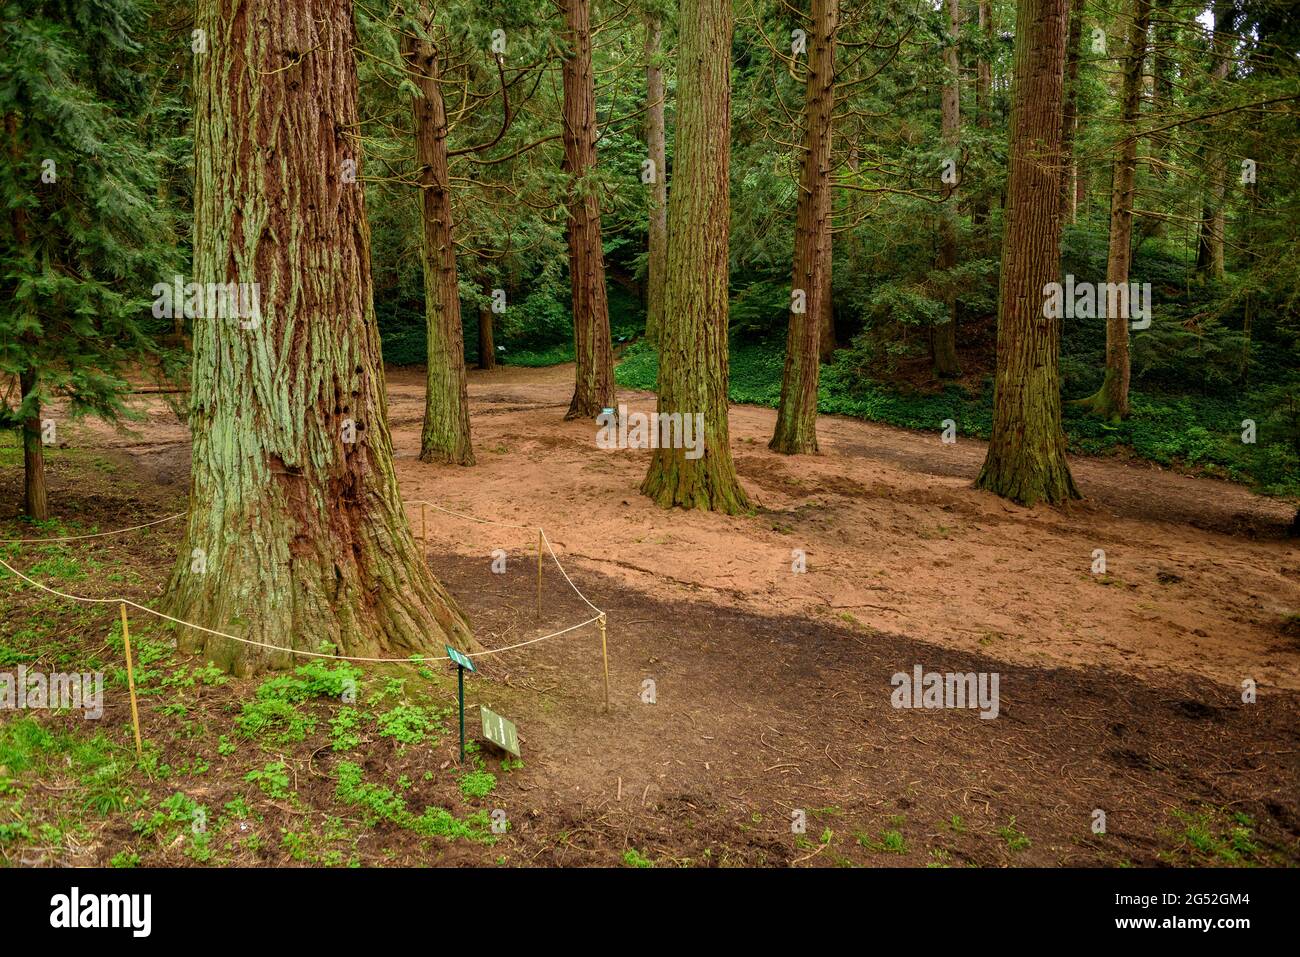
[[407, 723], [890, 841], [273, 779], [1015, 838], [379, 803], [634, 858], [477, 784], [1213, 836]]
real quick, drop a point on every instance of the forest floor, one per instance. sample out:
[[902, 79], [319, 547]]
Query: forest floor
[[1119, 692]]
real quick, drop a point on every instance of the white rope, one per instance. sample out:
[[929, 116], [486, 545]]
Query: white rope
[[598, 612], [294, 651], [75, 538], [412, 659], [481, 521]]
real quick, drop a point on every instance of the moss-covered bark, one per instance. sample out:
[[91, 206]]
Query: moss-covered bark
[[593, 388], [445, 435], [296, 535], [1026, 458], [693, 342], [796, 417]]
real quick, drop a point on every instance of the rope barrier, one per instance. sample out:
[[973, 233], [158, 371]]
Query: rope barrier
[[412, 659], [77, 538]]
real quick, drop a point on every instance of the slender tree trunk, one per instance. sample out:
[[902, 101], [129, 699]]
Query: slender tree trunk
[[1111, 400], [944, 335], [1026, 458], [445, 436], [1070, 123], [1209, 252], [693, 353], [656, 137], [593, 351], [35, 499], [487, 346], [796, 417], [1162, 86], [983, 101], [296, 535]]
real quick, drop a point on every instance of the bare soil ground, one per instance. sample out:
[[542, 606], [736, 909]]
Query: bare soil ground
[[1119, 692]]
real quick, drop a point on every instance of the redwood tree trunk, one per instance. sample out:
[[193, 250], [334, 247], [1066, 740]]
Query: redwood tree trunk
[[984, 100], [1111, 400], [693, 353], [796, 417], [487, 346], [1209, 252], [944, 336], [1070, 124], [296, 536], [593, 352], [1026, 457], [445, 435], [656, 137], [35, 500]]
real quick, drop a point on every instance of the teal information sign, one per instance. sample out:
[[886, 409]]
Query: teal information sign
[[500, 731], [458, 658]]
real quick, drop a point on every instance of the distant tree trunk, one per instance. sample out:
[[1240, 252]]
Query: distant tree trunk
[[487, 347], [796, 417], [445, 436], [1209, 250], [1162, 84], [593, 350], [1111, 400], [656, 137], [35, 500], [296, 535], [944, 336], [1070, 124], [1026, 457], [693, 353], [983, 100]]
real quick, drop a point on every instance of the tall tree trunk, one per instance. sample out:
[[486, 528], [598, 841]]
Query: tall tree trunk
[[487, 346], [944, 336], [35, 500], [1026, 458], [655, 138], [445, 436], [593, 351], [1111, 400], [1209, 251], [1165, 33], [983, 99], [296, 536], [1070, 123], [693, 353], [796, 417]]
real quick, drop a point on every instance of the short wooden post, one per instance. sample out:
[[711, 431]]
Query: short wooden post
[[604, 653], [539, 574], [130, 683]]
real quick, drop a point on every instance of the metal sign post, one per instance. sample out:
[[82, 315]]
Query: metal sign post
[[462, 662]]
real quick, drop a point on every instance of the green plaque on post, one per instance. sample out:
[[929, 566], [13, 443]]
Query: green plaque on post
[[458, 658], [500, 731]]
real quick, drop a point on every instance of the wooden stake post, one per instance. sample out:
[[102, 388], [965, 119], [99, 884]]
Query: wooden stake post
[[539, 574], [130, 683], [604, 653]]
